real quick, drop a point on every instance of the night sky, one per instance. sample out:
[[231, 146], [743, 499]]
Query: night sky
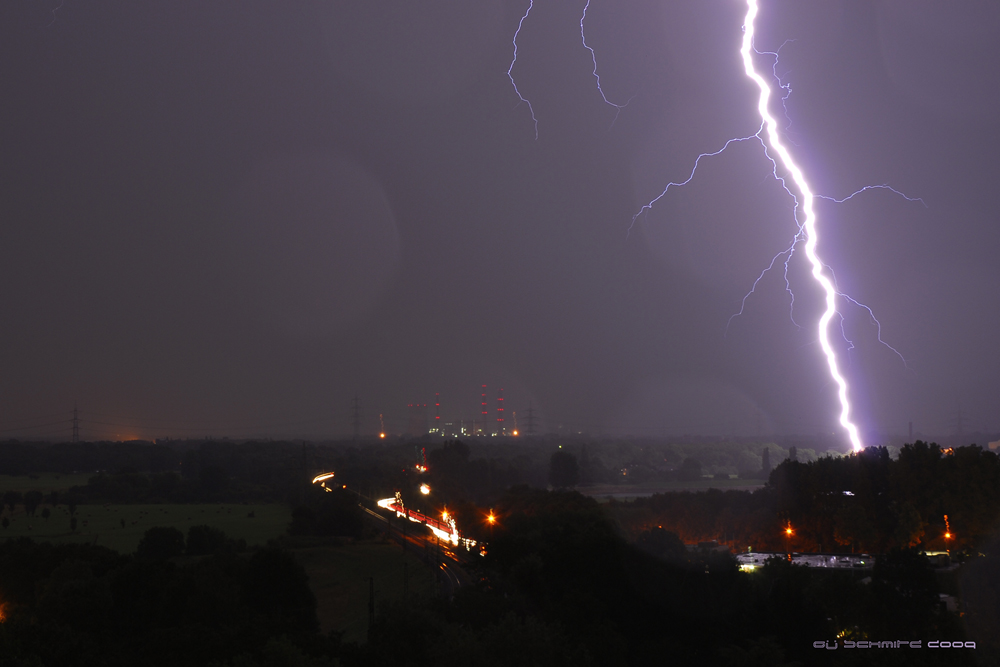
[[230, 218]]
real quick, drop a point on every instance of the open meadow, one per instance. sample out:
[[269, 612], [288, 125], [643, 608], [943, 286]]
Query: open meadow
[[120, 527], [46, 482]]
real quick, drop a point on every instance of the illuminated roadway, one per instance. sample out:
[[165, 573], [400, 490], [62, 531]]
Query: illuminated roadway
[[435, 552]]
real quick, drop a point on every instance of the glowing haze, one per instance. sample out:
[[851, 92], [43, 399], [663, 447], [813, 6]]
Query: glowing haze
[[804, 202]]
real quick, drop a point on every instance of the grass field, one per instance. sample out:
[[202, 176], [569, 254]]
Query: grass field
[[102, 524], [44, 482]]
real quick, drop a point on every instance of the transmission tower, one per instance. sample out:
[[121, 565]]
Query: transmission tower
[[76, 425], [501, 426]]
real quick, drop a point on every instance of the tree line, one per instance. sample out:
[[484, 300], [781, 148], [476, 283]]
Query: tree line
[[865, 502]]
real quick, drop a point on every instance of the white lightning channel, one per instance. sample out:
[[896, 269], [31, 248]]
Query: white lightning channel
[[805, 203]]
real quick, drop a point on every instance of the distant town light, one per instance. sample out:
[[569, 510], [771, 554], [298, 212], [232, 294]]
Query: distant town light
[[381, 435]]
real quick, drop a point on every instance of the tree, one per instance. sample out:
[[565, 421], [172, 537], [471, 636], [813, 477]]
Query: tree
[[277, 587], [46, 513], [335, 513], [852, 526], [160, 543], [32, 499], [662, 544], [690, 470], [11, 499], [564, 471], [910, 527], [203, 540]]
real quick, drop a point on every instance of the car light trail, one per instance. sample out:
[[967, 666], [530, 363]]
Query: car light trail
[[444, 529], [321, 479]]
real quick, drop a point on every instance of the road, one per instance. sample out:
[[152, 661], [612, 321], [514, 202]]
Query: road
[[442, 556]]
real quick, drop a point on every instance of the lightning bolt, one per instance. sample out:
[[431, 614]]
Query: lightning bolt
[[54, 10], [510, 70], [808, 225], [804, 202], [593, 57], [805, 218], [647, 207]]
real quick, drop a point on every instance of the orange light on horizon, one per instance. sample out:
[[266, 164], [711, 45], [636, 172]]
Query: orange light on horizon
[[515, 431], [381, 435]]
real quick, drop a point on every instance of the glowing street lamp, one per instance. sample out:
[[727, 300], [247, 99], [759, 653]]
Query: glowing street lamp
[[491, 519], [424, 489]]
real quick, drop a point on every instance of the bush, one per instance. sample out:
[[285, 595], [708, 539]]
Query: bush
[[160, 543], [204, 540]]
